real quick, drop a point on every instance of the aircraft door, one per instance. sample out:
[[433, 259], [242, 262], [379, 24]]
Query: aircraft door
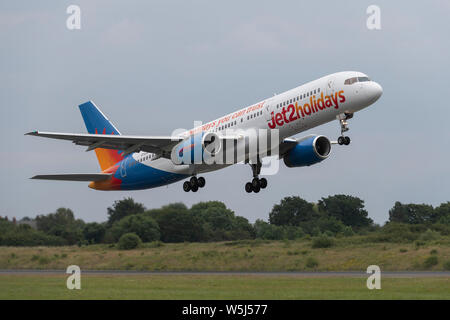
[[268, 108], [330, 86]]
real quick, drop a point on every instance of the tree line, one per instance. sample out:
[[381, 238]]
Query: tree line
[[130, 223]]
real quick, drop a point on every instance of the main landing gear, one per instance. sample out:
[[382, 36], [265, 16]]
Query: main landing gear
[[343, 117], [257, 184], [194, 183]]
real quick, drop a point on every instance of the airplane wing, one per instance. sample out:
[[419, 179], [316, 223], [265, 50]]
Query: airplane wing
[[75, 176], [155, 144]]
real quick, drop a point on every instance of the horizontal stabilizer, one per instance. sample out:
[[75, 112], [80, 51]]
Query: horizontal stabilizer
[[75, 176]]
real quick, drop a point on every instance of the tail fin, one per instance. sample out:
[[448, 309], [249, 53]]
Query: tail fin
[[97, 123]]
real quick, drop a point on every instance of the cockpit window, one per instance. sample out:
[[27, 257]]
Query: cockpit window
[[356, 79], [351, 80]]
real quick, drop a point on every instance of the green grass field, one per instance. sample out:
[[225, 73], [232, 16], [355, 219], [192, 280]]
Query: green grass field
[[348, 254], [218, 287]]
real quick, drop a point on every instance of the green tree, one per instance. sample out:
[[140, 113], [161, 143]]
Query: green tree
[[94, 232], [24, 235], [176, 224], [442, 213], [143, 225], [220, 223], [412, 213], [123, 208], [292, 211], [347, 209], [268, 231], [62, 224]]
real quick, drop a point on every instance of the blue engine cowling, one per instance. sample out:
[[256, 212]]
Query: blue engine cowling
[[196, 149], [308, 151]]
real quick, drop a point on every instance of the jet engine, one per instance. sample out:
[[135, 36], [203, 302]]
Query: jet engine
[[308, 151]]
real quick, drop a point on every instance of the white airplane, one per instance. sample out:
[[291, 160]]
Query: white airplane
[[141, 162]]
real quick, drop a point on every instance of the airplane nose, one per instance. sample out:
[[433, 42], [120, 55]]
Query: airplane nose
[[374, 92]]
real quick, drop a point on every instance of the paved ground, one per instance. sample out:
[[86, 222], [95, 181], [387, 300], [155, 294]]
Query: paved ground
[[391, 274]]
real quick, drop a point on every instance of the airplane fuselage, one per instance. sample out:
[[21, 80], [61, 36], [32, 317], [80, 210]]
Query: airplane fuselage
[[291, 112]]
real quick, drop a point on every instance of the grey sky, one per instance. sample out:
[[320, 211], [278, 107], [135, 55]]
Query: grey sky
[[155, 66]]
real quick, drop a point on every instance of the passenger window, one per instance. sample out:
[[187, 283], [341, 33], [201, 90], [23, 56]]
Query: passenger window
[[318, 90]]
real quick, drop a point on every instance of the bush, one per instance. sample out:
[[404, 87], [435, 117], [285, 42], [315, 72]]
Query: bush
[[142, 225], [292, 233], [129, 241], [322, 242], [311, 262], [429, 235], [268, 231], [419, 243], [44, 260], [430, 262], [394, 232], [447, 265], [348, 231]]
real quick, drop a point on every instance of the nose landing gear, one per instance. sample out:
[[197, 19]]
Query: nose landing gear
[[193, 184], [343, 117], [257, 183]]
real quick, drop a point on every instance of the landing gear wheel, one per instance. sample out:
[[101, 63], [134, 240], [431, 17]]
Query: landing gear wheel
[[256, 184], [341, 140], [194, 181], [263, 183], [194, 188], [201, 182], [186, 186], [346, 141]]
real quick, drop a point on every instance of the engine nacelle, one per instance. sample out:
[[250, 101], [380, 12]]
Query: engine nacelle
[[307, 152], [199, 148]]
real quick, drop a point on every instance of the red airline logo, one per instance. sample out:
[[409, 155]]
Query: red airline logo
[[293, 112]]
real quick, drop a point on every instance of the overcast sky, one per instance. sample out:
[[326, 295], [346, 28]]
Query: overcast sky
[[154, 66]]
